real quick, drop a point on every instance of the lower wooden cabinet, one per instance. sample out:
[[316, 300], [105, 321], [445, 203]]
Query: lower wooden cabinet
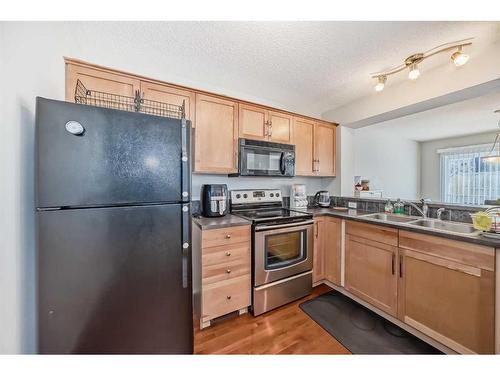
[[319, 250], [446, 291], [371, 272], [221, 272], [327, 249]]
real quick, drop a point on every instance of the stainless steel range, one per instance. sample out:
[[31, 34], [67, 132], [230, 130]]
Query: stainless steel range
[[282, 248]]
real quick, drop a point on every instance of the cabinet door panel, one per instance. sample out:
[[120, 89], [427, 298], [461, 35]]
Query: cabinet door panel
[[319, 250], [332, 249], [99, 80], [216, 135], [252, 122], [304, 147], [280, 127], [449, 301], [370, 272], [171, 95], [325, 149]]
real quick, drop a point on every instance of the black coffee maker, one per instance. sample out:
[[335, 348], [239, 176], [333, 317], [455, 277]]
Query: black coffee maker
[[214, 200]]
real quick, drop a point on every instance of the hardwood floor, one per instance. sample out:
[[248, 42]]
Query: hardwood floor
[[287, 330]]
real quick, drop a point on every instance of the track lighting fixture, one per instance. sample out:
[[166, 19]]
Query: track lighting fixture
[[459, 58], [381, 83], [414, 73]]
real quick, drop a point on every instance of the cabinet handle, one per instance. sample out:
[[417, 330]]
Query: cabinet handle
[[228, 297], [266, 129], [400, 266], [270, 129], [228, 236], [316, 230], [228, 254], [393, 263], [228, 271]]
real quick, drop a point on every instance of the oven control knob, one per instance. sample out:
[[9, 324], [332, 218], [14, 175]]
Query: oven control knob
[[245, 195], [238, 196], [277, 194], [271, 195]]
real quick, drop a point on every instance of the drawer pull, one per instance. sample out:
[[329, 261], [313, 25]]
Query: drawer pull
[[228, 254], [228, 236], [228, 271], [228, 297]]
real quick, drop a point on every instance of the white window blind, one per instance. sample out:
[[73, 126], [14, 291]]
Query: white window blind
[[466, 178]]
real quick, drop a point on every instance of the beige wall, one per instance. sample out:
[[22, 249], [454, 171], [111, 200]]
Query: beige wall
[[430, 166]]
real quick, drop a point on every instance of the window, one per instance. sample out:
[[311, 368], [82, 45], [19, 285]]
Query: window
[[466, 178]]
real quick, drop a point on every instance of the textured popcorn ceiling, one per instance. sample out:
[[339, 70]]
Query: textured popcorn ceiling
[[309, 67]]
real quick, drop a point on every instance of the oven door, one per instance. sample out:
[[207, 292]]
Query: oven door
[[282, 250], [264, 161]]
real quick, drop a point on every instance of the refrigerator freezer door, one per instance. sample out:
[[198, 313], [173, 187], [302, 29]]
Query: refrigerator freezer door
[[111, 280], [89, 156]]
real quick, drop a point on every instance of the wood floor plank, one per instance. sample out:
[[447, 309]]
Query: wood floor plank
[[287, 330]]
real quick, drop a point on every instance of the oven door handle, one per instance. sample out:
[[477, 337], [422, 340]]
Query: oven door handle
[[260, 228]]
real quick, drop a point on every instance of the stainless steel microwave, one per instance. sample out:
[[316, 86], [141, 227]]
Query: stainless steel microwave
[[258, 158]]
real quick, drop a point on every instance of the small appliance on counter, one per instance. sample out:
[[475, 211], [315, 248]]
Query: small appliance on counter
[[298, 197], [322, 198], [214, 200]]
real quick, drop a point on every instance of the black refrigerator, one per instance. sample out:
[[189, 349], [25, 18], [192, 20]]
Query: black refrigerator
[[113, 192]]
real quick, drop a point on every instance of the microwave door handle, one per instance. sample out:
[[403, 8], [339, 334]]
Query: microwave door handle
[[282, 163]]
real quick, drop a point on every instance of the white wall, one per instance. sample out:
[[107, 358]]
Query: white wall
[[430, 178], [234, 183], [389, 161], [33, 66]]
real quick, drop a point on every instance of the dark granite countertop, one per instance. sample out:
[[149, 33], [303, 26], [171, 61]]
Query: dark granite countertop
[[356, 215], [219, 222]]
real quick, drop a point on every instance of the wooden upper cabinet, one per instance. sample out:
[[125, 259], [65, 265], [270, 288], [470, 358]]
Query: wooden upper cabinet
[[99, 80], [172, 95], [253, 122], [280, 127], [261, 124], [446, 290], [324, 149], [216, 135], [315, 147], [304, 146]]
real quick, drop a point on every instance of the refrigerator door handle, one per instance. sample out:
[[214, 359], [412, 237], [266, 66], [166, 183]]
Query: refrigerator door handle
[[185, 162], [186, 235]]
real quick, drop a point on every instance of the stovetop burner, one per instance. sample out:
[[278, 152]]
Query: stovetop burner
[[263, 205], [270, 213]]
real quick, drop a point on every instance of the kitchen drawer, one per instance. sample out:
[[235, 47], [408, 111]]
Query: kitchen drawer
[[226, 236], [225, 296], [479, 256], [226, 254], [225, 271], [372, 232]]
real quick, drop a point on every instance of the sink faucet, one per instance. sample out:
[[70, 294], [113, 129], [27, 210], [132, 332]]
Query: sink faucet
[[423, 212]]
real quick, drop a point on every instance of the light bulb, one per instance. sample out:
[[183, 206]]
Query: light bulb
[[459, 58], [381, 83], [414, 72]]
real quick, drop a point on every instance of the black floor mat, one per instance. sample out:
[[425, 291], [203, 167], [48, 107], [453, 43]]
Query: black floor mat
[[359, 329]]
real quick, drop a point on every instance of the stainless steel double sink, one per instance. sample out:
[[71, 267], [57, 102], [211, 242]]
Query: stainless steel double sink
[[431, 224]]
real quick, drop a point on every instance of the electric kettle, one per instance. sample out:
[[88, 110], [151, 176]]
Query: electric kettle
[[322, 198]]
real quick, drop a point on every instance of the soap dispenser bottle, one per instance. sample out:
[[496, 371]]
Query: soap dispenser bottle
[[389, 208], [398, 207]]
